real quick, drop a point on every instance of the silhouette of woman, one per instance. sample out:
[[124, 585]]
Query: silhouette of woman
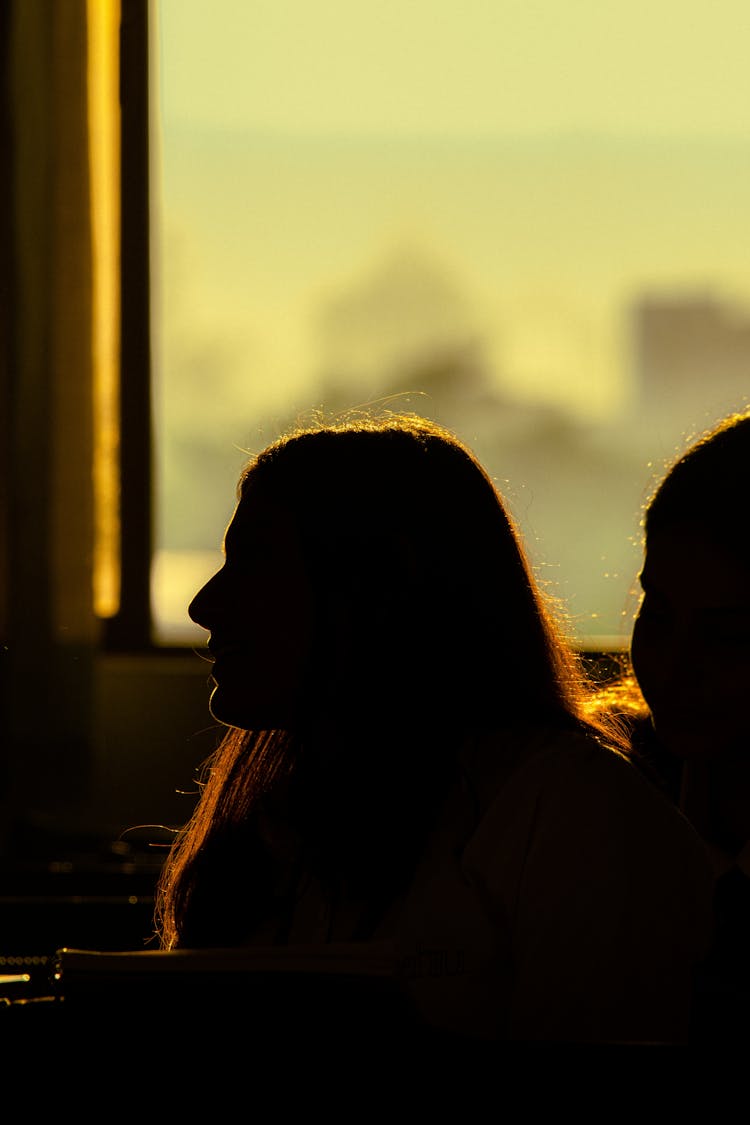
[[412, 757], [690, 654]]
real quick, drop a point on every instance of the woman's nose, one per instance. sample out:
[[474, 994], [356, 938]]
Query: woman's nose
[[200, 608]]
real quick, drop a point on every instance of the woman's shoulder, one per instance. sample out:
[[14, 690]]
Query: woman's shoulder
[[575, 754], [568, 781], [528, 753]]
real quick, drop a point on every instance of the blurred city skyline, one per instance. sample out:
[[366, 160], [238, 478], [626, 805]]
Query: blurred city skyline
[[540, 247]]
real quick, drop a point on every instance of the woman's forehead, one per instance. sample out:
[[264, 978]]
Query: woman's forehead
[[256, 517], [693, 566]]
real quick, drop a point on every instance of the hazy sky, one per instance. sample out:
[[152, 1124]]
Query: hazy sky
[[644, 66], [550, 245]]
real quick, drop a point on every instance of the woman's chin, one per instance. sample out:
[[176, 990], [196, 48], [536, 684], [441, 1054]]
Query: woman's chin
[[230, 711], [693, 743], [226, 711]]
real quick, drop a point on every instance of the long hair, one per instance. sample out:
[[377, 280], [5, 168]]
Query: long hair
[[429, 625]]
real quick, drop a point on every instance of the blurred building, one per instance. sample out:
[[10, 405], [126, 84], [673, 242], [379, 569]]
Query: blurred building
[[690, 361]]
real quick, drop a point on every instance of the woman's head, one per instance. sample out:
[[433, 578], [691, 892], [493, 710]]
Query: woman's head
[[374, 609], [691, 639], [373, 569]]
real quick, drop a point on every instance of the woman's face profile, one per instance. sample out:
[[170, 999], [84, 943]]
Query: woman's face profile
[[691, 643], [258, 609]]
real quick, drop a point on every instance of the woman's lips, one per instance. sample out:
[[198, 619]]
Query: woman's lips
[[223, 659]]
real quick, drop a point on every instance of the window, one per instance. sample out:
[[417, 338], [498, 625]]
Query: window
[[529, 221]]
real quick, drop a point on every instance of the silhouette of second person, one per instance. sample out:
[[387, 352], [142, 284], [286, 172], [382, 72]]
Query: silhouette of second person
[[412, 758], [690, 652]]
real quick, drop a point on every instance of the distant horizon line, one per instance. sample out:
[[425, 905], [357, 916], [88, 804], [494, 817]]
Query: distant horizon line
[[569, 135]]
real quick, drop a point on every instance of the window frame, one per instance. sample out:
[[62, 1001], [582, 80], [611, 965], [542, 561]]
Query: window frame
[[130, 629]]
